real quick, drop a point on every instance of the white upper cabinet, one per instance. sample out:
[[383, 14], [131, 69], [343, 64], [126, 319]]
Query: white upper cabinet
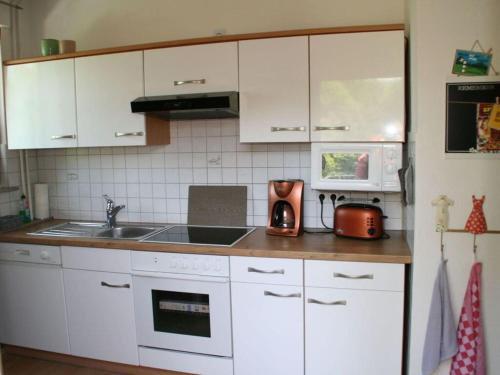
[[274, 90], [191, 69], [105, 86], [40, 105], [357, 87]]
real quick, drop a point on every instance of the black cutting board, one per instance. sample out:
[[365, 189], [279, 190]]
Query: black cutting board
[[217, 205]]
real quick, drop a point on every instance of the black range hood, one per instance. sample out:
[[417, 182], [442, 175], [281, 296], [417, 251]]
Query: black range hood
[[189, 106]]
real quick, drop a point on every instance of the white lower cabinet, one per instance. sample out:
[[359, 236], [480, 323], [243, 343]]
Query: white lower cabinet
[[353, 331], [32, 310], [268, 334], [101, 315], [268, 316]]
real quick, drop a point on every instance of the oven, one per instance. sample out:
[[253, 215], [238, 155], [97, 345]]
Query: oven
[[182, 302]]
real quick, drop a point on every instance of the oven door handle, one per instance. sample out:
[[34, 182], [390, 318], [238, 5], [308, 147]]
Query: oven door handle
[[180, 276]]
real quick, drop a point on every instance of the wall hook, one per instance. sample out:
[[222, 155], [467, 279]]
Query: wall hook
[[442, 246], [475, 248]]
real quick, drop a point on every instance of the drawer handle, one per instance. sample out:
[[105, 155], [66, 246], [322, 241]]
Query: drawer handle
[[127, 286], [333, 303], [292, 295], [23, 252], [130, 134], [251, 269], [342, 127], [288, 129], [191, 81], [357, 277], [66, 136]]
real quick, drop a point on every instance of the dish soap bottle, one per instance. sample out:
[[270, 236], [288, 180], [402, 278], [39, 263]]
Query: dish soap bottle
[[24, 210]]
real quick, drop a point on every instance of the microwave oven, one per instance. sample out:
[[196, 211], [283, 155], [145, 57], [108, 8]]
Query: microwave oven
[[356, 166]]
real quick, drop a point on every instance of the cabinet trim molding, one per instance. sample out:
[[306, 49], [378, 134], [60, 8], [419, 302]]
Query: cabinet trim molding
[[211, 39]]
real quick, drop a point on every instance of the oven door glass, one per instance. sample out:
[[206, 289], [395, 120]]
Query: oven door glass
[[345, 165], [181, 313], [191, 315]]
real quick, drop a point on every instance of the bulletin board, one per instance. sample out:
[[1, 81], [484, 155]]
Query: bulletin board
[[473, 117]]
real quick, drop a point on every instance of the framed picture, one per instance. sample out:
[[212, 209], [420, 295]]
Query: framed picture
[[473, 117], [471, 63]]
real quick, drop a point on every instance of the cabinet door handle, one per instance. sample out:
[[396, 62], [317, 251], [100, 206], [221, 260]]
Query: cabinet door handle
[[65, 136], [333, 303], [356, 277], [23, 252], [272, 294], [191, 81], [251, 269], [127, 286], [130, 134], [342, 127], [288, 129]]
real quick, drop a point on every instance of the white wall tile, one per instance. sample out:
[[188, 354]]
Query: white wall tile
[[214, 144], [228, 159], [259, 159], [199, 144], [145, 175], [228, 144], [132, 176], [259, 175], [186, 175], [214, 176], [153, 181], [244, 175], [229, 176], [199, 160], [158, 160], [200, 175]]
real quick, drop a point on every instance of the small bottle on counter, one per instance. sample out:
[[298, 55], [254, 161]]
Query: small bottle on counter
[[24, 209]]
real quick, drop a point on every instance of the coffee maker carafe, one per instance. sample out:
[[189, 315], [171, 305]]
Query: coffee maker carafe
[[286, 200]]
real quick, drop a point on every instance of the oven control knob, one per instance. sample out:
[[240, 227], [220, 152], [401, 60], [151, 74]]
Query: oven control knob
[[195, 265], [172, 263], [184, 264], [218, 266], [206, 266], [44, 255]]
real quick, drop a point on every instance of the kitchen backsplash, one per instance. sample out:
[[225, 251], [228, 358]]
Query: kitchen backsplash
[[153, 181]]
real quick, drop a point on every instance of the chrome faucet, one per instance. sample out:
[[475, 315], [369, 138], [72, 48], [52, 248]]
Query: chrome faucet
[[111, 211]]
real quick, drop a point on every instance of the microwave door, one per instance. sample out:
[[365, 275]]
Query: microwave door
[[346, 167]]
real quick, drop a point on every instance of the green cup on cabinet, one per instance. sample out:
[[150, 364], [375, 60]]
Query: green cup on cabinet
[[49, 47]]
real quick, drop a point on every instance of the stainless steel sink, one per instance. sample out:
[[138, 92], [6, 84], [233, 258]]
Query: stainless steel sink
[[126, 232], [98, 230]]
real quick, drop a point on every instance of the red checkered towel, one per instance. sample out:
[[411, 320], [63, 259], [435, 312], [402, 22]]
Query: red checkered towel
[[470, 359]]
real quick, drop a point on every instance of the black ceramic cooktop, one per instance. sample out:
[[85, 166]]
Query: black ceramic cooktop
[[200, 235]]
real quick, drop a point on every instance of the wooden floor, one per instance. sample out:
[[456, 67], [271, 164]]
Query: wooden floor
[[18, 365]]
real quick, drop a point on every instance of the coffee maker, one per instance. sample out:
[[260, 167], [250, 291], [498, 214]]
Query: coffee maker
[[285, 207]]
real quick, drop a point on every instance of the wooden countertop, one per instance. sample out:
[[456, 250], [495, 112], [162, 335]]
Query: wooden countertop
[[257, 244]]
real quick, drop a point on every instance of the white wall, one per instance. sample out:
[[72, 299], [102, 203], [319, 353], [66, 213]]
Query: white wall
[[98, 23], [437, 29]]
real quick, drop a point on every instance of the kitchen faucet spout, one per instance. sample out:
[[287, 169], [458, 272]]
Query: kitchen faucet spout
[[111, 211]]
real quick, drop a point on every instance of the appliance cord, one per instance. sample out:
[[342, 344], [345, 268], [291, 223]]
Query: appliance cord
[[321, 199]]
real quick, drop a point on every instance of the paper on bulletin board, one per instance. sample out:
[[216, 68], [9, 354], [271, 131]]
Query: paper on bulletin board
[[473, 117]]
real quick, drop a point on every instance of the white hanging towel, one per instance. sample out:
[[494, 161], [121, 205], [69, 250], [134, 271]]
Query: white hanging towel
[[441, 336]]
